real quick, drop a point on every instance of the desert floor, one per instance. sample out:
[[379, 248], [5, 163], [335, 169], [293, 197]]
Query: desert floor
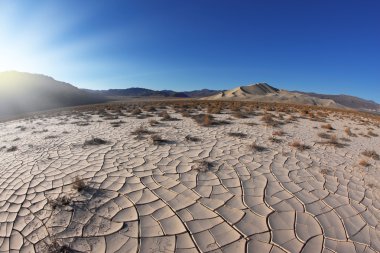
[[222, 192]]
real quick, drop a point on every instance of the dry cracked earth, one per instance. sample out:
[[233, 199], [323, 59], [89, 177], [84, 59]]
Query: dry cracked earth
[[215, 194]]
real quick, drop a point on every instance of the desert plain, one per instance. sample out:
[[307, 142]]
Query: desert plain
[[190, 177]]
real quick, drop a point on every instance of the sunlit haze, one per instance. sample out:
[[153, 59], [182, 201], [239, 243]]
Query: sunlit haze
[[324, 46]]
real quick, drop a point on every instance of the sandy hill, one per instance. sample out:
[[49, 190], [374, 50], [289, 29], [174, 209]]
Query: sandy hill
[[265, 93], [25, 92]]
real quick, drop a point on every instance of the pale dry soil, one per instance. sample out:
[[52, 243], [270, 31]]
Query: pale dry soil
[[141, 197]]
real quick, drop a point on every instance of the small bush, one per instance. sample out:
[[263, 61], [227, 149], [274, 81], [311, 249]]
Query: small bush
[[95, 141]]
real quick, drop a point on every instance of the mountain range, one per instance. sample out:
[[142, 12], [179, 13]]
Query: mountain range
[[24, 92]]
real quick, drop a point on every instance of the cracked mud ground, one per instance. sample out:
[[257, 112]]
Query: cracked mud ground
[[140, 197]]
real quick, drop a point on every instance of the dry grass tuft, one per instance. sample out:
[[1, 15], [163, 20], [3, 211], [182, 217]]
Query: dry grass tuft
[[324, 135], [136, 111], [373, 134], [325, 172], [204, 165], [60, 202], [278, 133], [192, 138], [328, 127], [237, 134], [257, 148], [364, 163], [12, 149], [141, 130], [298, 145], [153, 123], [79, 184], [158, 140], [348, 131], [371, 154]]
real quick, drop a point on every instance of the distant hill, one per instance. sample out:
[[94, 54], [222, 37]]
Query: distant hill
[[25, 92], [263, 92], [348, 101], [142, 92]]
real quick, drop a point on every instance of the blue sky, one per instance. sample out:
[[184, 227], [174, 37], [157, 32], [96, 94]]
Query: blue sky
[[322, 46]]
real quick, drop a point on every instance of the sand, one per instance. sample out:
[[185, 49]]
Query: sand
[[141, 197]]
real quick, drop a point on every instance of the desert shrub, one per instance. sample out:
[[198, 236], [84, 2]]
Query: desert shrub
[[192, 138], [158, 140], [136, 111], [12, 149], [324, 135], [237, 134], [141, 130], [94, 141], [269, 120], [274, 139], [51, 137]]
